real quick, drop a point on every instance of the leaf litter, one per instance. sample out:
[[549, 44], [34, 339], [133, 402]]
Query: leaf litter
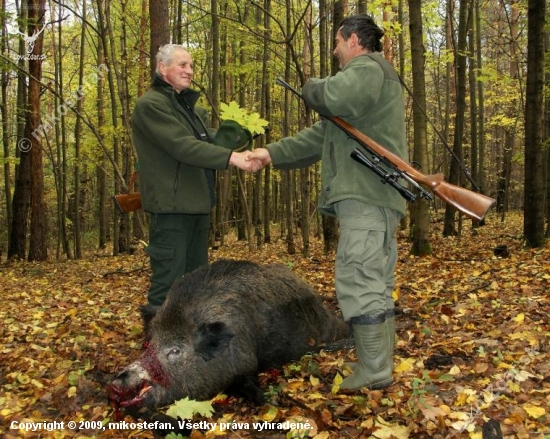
[[473, 337]]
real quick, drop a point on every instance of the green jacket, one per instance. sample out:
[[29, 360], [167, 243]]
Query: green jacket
[[176, 156], [368, 95]]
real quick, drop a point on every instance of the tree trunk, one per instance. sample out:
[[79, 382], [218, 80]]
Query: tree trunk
[[38, 241], [460, 57], [330, 224], [420, 210], [5, 129], [479, 172], [533, 212], [266, 112], [160, 29], [61, 168], [17, 247], [77, 136]]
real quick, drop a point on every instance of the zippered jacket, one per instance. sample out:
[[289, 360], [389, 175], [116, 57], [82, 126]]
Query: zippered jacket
[[367, 94], [176, 156]]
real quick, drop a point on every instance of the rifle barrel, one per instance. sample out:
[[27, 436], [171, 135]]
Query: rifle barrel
[[472, 204]]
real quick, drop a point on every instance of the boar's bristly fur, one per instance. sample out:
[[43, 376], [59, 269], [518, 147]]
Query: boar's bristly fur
[[219, 326]]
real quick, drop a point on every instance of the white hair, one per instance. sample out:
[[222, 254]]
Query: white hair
[[164, 55]]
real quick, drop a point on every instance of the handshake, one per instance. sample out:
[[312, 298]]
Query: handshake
[[251, 161]]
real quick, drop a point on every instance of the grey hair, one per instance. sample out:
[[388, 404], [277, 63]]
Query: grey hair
[[164, 55]]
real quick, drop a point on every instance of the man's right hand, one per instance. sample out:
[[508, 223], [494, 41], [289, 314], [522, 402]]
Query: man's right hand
[[261, 155]]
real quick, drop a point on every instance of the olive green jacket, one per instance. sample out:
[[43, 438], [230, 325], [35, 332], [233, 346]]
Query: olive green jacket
[[368, 95], [176, 156]]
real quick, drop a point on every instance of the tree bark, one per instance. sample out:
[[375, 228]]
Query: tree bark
[[460, 57], [420, 210], [38, 241], [17, 246], [533, 212], [160, 29]]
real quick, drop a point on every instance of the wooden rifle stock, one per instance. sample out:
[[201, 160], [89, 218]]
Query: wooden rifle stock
[[126, 203], [470, 203]]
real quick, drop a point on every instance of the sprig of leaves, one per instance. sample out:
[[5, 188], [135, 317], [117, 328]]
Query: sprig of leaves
[[251, 121]]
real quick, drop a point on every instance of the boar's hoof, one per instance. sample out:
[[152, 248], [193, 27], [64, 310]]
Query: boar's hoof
[[247, 386]]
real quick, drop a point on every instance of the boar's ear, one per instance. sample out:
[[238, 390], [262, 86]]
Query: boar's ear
[[211, 338], [148, 312]]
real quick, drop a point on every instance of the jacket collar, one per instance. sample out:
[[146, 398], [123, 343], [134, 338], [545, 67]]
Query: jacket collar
[[190, 96]]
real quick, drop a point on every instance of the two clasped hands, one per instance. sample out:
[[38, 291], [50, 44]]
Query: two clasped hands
[[251, 161]]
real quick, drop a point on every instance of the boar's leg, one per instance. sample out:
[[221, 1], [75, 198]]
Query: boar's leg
[[247, 386]]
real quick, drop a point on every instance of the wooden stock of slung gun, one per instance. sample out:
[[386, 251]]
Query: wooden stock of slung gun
[[391, 168]]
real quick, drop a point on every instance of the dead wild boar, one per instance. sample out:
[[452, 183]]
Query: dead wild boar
[[219, 326]]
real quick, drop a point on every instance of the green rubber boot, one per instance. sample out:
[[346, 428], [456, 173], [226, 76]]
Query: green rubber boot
[[390, 320], [372, 344]]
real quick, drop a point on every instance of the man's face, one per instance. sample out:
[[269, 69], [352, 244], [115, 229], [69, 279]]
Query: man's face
[[179, 71], [343, 50]]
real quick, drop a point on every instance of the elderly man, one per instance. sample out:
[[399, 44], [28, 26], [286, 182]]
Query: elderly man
[[178, 154]]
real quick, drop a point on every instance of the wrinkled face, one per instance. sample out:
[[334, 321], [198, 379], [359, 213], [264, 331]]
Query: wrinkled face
[[179, 71]]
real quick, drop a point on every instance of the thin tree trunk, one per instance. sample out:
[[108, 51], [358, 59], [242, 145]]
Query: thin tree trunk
[[17, 247], [479, 176], [100, 169], [266, 112], [77, 136], [460, 56], [533, 213], [420, 211], [5, 129]]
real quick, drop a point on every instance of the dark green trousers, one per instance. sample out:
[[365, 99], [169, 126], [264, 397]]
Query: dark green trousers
[[178, 244]]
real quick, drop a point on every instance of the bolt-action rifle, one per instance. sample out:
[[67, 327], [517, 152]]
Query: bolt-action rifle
[[392, 169]]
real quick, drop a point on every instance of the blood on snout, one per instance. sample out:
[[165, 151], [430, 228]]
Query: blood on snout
[[150, 362]]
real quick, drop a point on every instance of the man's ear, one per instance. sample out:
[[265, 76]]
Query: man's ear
[[353, 41], [161, 68]]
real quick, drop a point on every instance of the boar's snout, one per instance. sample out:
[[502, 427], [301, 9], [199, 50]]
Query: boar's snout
[[129, 387]]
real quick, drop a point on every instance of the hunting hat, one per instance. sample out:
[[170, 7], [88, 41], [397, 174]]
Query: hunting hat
[[232, 135]]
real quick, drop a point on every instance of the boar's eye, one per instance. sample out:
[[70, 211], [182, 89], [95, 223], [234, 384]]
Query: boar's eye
[[173, 353]]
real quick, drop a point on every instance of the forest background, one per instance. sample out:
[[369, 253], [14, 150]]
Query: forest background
[[472, 346], [476, 88]]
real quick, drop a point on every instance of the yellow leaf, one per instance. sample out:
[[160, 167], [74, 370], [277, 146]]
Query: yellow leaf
[[406, 365], [270, 414], [336, 383], [71, 392], [519, 318], [455, 370], [5, 412], [313, 380], [385, 430], [534, 411]]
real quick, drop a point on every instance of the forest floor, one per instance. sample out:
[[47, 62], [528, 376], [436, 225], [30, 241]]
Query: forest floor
[[473, 351]]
